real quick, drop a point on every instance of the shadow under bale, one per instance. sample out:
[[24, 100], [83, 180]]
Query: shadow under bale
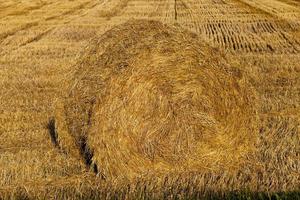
[[149, 98]]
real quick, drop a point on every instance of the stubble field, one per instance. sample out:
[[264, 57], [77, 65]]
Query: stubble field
[[42, 41]]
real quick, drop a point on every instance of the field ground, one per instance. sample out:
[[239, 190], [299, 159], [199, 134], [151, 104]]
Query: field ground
[[39, 41]]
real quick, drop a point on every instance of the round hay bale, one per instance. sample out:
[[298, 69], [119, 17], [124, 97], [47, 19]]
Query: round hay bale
[[147, 97]]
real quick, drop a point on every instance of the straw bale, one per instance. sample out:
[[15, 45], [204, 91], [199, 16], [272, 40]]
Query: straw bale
[[146, 97]]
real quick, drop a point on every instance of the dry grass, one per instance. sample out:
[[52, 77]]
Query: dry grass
[[41, 41]]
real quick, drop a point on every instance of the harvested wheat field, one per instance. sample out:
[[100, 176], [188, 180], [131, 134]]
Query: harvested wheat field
[[150, 99]]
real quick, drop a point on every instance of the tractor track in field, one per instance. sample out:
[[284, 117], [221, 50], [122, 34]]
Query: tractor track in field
[[114, 11], [293, 3], [23, 27], [28, 10], [78, 9], [49, 30]]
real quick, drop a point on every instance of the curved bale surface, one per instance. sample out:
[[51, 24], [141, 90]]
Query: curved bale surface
[[149, 98]]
